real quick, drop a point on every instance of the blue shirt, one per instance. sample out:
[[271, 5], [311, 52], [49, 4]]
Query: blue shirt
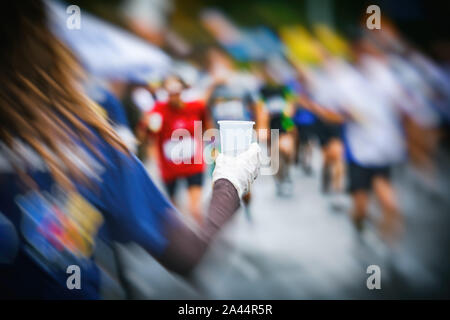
[[304, 117], [47, 230], [112, 105]]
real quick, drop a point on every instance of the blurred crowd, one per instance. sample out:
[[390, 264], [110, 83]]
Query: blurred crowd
[[368, 100]]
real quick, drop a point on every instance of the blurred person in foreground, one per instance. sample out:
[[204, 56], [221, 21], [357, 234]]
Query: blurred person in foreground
[[66, 179], [114, 110], [178, 127]]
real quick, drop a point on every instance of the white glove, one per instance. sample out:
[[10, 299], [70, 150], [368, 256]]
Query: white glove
[[241, 171]]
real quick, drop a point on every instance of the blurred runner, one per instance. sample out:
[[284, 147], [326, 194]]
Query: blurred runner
[[233, 99], [422, 119], [278, 102], [374, 142], [306, 123], [66, 178], [324, 103], [180, 156], [139, 99]]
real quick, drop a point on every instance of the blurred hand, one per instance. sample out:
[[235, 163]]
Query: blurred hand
[[241, 171]]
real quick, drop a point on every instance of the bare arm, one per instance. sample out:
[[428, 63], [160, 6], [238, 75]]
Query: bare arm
[[321, 111]]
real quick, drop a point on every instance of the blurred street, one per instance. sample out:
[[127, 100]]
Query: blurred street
[[303, 248]]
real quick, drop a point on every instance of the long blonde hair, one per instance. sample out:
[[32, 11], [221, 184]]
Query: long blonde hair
[[41, 100]]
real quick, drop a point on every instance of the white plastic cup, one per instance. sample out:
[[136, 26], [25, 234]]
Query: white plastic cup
[[235, 136]]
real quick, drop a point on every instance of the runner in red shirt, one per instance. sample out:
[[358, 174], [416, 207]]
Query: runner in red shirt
[[178, 128]]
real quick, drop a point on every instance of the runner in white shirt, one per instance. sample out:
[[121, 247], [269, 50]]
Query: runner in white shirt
[[323, 91], [374, 142], [423, 120]]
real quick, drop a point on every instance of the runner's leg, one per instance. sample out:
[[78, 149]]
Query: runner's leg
[[195, 196], [359, 186], [390, 226], [335, 157], [360, 200]]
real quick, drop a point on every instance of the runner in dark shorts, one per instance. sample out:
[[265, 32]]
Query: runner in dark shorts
[[361, 178], [327, 131], [192, 180], [306, 123], [329, 135], [307, 132], [276, 99]]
